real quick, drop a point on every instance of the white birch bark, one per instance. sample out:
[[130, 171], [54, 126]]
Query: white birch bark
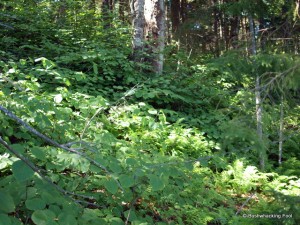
[[258, 100]]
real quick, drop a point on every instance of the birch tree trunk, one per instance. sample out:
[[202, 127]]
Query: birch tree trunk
[[149, 29], [138, 21], [258, 99]]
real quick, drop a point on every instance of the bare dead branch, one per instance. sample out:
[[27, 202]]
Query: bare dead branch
[[247, 200]]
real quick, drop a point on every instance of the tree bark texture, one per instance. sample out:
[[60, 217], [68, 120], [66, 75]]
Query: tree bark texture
[[138, 21], [149, 32], [175, 14], [258, 100]]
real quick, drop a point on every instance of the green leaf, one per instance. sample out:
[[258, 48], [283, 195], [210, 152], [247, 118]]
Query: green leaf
[[116, 221], [90, 214], [7, 204], [126, 181], [21, 171], [66, 219], [38, 152], [189, 166], [115, 167], [130, 214], [19, 148], [95, 68], [4, 162], [124, 124], [152, 111], [155, 182], [43, 217], [35, 204], [111, 186], [4, 219], [131, 162]]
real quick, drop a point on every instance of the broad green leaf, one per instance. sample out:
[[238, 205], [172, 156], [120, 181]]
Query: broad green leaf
[[7, 204], [4, 161], [189, 166], [126, 181], [131, 161], [16, 221], [5, 220], [152, 111], [111, 186], [155, 182], [38, 152], [115, 167], [21, 171], [142, 104], [55, 208], [43, 217], [130, 214], [80, 163], [67, 82], [66, 219], [47, 64], [48, 197], [19, 148], [35, 204], [125, 124], [150, 95], [90, 214], [116, 221]]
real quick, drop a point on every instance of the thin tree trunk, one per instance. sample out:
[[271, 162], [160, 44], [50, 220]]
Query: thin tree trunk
[[175, 14], [252, 36], [183, 10], [245, 38], [161, 37], [259, 121], [234, 31], [258, 99], [168, 34], [107, 8], [215, 15], [281, 131]]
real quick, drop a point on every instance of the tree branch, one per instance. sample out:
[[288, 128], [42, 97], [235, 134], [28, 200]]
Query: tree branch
[[48, 180], [56, 144]]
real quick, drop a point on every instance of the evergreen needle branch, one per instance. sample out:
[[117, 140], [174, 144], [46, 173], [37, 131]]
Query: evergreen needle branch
[[277, 76], [56, 144]]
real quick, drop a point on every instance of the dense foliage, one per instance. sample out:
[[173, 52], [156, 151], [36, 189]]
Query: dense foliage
[[126, 146]]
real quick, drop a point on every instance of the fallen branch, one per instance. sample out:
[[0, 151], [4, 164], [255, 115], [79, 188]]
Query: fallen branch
[[48, 180], [56, 144], [247, 200]]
